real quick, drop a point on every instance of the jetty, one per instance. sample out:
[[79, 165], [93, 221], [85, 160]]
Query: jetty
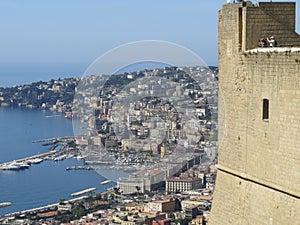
[[59, 139], [31, 159], [5, 204], [105, 182], [89, 190], [79, 168]]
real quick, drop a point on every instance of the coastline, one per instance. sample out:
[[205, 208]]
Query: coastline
[[51, 206]]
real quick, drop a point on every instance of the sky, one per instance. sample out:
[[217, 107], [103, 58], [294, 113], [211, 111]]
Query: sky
[[49, 39]]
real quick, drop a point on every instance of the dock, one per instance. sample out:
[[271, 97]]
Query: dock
[[79, 168], [51, 140], [83, 192], [5, 204], [105, 182], [34, 157]]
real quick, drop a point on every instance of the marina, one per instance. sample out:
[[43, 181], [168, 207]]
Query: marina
[[56, 155], [26, 162], [44, 183]]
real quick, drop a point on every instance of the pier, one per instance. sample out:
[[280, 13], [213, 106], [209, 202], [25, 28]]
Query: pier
[[28, 159], [53, 153], [5, 204], [79, 168], [89, 190], [51, 140]]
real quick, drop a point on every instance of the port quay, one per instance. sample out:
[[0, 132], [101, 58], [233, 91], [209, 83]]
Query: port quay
[[25, 163], [19, 164], [31, 159]]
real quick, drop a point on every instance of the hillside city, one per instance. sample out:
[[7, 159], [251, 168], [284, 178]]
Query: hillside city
[[159, 126]]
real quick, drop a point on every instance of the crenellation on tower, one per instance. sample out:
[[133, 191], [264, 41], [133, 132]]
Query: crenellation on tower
[[247, 23], [258, 180]]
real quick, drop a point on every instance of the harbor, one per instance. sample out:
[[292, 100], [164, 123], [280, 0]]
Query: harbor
[[65, 151], [47, 182], [26, 162]]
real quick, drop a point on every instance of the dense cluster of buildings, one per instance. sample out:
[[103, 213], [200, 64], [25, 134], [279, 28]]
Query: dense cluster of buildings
[[163, 116], [139, 207], [160, 125], [152, 123], [55, 95]]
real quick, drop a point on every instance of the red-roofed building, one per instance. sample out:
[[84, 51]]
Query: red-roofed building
[[162, 222], [162, 206]]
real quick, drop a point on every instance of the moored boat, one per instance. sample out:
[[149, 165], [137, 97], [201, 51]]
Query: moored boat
[[35, 161], [10, 167], [21, 165]]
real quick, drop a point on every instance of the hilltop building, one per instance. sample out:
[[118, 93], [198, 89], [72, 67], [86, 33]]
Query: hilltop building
[[258, 179]]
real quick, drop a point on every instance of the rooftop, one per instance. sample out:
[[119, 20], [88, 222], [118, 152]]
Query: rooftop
[[274, 49], [184, 179]]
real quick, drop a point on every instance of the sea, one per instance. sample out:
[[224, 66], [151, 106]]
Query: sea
[[47, 182], [13, 73]]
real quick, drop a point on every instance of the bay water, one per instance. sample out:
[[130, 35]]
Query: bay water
[[43, 183]]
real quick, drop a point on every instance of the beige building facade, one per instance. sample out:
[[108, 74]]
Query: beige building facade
[[181, 184], [131, 185], [258, 179]]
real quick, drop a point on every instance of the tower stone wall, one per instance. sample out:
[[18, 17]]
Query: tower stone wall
[[258, 180]]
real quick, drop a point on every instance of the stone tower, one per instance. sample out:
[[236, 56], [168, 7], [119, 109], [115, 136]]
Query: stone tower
[[258, 180]]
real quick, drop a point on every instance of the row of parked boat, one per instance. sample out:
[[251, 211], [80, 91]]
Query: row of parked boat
[[15, 165]]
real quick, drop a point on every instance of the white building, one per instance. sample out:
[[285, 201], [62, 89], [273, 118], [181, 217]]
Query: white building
[[131, 185]]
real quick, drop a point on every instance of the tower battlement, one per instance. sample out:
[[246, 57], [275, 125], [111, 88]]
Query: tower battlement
[[245, 23], [258, 180]]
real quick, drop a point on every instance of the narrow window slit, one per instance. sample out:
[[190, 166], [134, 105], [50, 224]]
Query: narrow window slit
[[265, 109]]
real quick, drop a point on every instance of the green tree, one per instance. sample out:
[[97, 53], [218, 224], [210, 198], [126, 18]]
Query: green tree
[[112, 196], [61, 201], [117, 190], [98, 196], [178, 206], [78, 211], [138, 189]]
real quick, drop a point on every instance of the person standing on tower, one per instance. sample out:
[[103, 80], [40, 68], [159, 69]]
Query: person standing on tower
[[272, 41]]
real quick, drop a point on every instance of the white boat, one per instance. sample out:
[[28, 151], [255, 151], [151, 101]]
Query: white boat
[[60, 158], [21, 165], [79, 157], [5, 204], [35, 161], [10, 167]]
